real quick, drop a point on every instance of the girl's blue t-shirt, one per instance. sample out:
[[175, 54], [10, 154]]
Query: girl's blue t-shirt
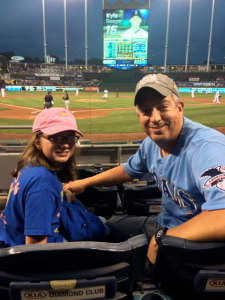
[[33, 207]]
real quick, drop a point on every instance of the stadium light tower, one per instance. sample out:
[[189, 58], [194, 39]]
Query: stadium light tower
[[86, 34], [210, 36], [43, 10], [65, 34], [167, 31], [188, 35]]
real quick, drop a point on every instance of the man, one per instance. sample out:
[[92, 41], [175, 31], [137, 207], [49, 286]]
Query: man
[[217, 96], [135, 31], [66, 98], [48, 100], [3, 87], [117, 93], [192, 93], [186, 159], [105, 96], [77, 91]]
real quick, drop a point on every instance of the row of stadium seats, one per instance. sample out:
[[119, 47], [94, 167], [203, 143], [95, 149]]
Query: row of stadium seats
[[183, 270], [131, 200]]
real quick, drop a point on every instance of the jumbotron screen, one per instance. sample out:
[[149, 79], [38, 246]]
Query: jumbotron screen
[[125, 38]]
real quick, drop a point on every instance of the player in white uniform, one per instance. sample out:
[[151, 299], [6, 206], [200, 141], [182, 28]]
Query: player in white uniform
[[2, 88], [217, 96], [105, 96], [135, 31], [192, 93], [77, 92]]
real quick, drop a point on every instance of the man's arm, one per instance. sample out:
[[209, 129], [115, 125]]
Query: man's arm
[[110, 177], [205, 227]]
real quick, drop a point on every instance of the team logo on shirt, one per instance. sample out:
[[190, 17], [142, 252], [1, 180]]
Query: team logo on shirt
[[63, 114], [217, 177]]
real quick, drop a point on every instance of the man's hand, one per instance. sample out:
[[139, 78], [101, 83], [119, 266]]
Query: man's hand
[[152, 250], [77, 187]]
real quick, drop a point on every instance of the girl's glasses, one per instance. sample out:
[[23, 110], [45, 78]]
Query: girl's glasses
[[57, 140]]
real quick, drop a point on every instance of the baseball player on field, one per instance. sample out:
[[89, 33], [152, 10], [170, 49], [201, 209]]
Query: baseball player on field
[[217, 96], [3, 88], [192, 93], [177, 152], [105, 96], [77, 92], [66, 98]]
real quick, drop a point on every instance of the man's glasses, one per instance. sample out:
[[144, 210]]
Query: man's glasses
[[57, 140]]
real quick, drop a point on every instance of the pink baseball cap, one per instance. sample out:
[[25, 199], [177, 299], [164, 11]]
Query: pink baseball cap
[[53, 120]]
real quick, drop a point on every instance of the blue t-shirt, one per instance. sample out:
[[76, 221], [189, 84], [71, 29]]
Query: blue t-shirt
[[191, 178], [33, 207]]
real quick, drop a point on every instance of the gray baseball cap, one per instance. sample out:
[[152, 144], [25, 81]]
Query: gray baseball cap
[[159, 82]]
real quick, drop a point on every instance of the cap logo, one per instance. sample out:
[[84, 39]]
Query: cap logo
[[63, 114], [175, 87], [136, 12], [148, 79]]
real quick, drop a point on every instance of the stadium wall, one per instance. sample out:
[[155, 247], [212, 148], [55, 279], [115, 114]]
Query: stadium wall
[[126, 80]]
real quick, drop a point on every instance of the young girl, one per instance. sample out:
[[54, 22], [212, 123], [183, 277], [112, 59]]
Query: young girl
[[35, 200]]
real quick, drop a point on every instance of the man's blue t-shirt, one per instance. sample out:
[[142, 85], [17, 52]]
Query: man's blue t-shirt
[[191, 178], [33, 207]]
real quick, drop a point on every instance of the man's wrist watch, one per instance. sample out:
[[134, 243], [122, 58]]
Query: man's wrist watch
[[159, 233]]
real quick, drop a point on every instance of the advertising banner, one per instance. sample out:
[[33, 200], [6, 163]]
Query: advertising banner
[[194, 79], [45, 88], [78, 78], [29, 88], [30, 77], [45, 74], [54, 78], [125, 38], [13, 88], [204, 84], [90, 89]]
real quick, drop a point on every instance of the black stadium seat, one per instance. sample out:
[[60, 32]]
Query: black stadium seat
[[101, 201], [85, 173], [191, 270], [99, 268], [142, 201]]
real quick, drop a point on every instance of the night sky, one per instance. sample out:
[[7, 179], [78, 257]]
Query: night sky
[[21, 24]]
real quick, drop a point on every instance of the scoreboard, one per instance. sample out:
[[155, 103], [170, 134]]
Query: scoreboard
[[125, 38]]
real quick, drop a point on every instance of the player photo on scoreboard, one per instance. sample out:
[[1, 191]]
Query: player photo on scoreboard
[[125, 36]]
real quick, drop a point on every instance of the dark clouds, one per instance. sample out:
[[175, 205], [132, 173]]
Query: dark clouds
[[22, 25]]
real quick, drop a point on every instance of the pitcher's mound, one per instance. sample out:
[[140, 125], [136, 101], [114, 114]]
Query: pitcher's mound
[[88, 100]]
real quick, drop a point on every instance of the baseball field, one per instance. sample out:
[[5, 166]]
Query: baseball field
[[112, 120]]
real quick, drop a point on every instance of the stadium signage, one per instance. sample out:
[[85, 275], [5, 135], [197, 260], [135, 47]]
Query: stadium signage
[[204, 84], [17, 58], [49, 59], [215, 284], [88, 89], [194, 79]]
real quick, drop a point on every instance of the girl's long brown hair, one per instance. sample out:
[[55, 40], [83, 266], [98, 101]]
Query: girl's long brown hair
[[32, 156]]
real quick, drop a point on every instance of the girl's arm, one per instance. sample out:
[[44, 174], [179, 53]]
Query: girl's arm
[[35, 239]]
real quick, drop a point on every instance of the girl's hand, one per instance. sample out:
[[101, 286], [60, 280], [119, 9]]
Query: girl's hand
[[69, 195]]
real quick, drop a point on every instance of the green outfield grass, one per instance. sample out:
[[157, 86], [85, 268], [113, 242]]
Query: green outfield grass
[[117, 121]]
